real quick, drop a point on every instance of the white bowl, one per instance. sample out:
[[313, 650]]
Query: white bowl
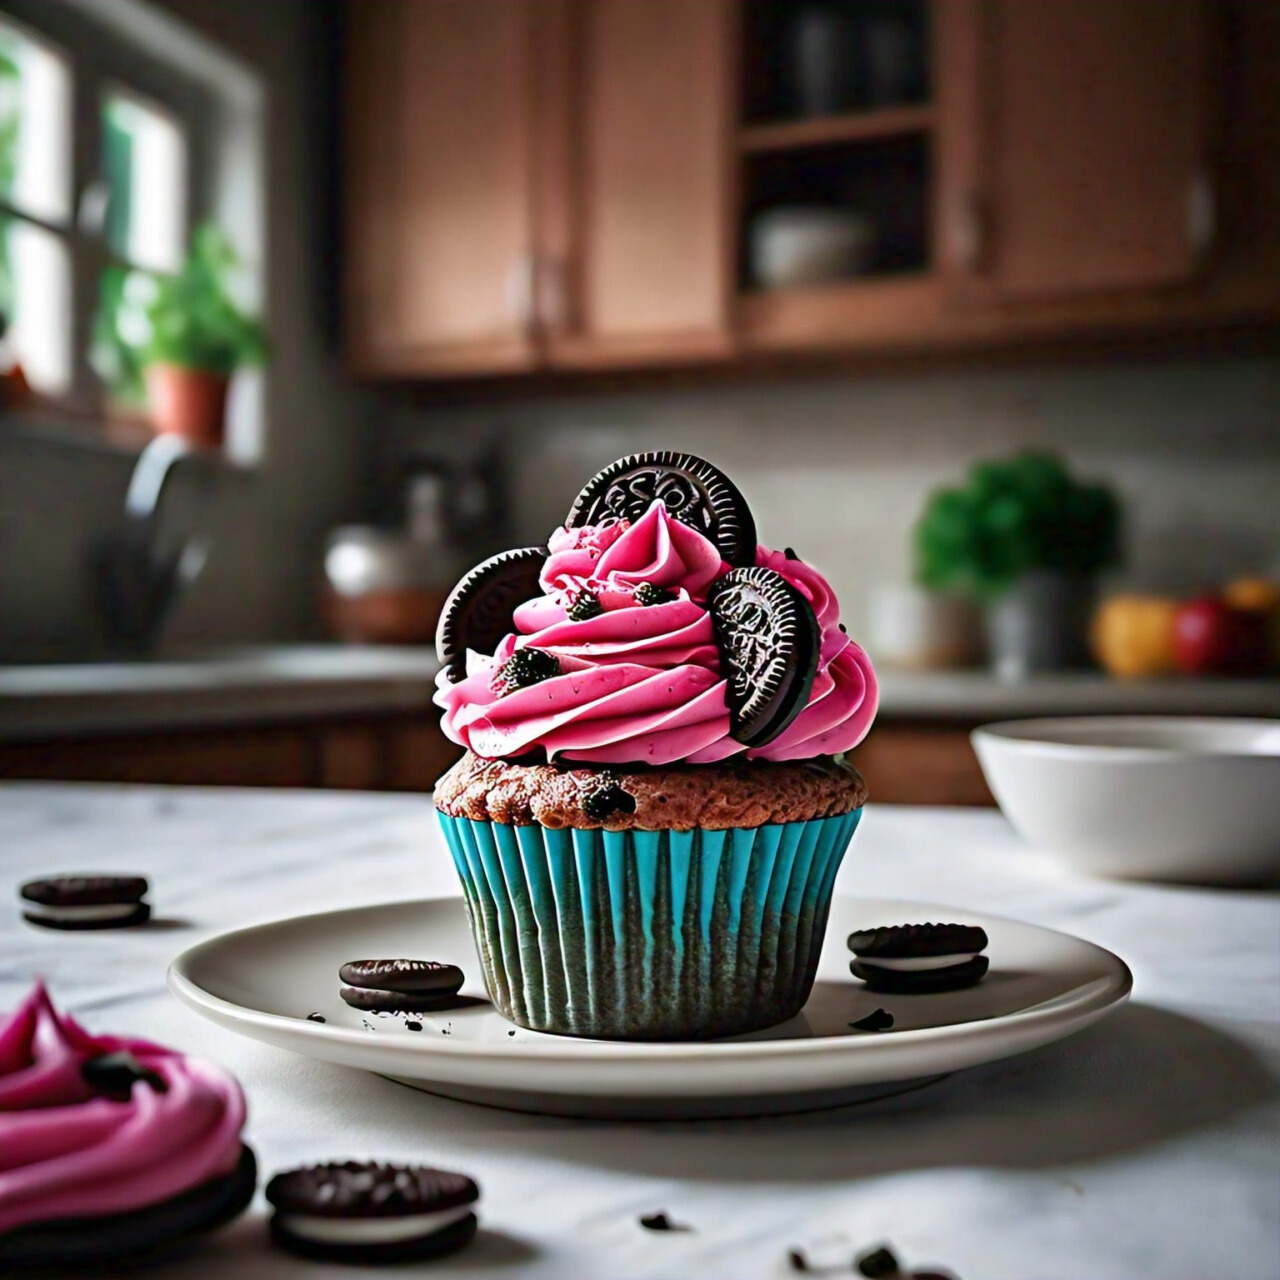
[[1143, 797], [795, 245]]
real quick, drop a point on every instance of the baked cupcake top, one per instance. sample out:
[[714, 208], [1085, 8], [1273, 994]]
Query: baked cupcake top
[[93, 1125], [652, 629], [735, 794]]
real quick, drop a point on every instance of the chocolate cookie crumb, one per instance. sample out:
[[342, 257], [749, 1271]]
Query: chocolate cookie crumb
[[316, 1017], [880, 1020], [605, 795], [660, 1222], [413, 1026], [880, 1264], [796, 1260]]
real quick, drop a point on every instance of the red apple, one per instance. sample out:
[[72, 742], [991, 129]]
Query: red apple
[[1210, 637]]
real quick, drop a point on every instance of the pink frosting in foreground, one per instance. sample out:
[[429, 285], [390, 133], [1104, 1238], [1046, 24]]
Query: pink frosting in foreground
[[66, 1151], [642, 684]]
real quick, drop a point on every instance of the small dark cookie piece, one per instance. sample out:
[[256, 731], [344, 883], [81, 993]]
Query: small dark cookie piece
[[648, 595], [768, 639], [365, 1212], [524, 669], [477, 613], [400, 986], [115, 1074], [694, 492], [120, 1240], [584, 606], [86, 902], [604, 796], [919, 958]]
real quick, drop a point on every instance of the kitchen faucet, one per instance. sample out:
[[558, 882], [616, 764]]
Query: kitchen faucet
[[137, 577]]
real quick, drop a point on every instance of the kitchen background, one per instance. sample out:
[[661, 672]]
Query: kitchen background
[[836, 453]]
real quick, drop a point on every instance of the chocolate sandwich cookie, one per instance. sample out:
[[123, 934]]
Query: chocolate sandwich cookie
[[769, 640], [364, 1212], [119, 1240], [477, 613], [86, 902], [400, 986], [907, 959], [693, 491]]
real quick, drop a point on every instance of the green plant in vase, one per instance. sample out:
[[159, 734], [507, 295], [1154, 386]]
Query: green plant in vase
[[188, 336], [1028, 540]]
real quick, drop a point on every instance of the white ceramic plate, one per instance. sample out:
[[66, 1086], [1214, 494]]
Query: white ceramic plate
[[264, 981]]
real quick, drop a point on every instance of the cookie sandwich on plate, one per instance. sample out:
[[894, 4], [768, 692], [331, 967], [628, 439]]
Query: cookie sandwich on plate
[[654, 801]]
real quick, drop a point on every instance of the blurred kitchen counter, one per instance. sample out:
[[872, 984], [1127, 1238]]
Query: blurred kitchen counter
[[230, 686], [335, 716], [361, 718], [919, 752], [977, 695]]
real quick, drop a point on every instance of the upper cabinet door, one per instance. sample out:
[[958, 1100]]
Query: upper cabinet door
[[439, 186], [1090, 145], [637, 212]]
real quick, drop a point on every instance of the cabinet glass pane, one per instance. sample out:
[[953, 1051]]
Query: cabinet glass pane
[[813, 58], [35, 298], [144, 159], [35, 126]]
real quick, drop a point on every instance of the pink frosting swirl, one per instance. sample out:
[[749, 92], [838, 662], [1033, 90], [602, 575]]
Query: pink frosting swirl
[[642, 683], [66, 1151]]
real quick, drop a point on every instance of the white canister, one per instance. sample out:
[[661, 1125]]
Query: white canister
[[918, 630]]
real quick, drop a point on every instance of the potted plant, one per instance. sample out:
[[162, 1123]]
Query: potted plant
[[189, 336], [1027, 540]]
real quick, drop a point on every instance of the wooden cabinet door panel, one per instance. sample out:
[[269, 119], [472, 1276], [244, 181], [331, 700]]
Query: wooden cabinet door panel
[[1093, 117], [439, 185], [640, 229]]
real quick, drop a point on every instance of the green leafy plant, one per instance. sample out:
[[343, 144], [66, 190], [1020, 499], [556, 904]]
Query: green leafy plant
[[1015, 515], [188, 319]]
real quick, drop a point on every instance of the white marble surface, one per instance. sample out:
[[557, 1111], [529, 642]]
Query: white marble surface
[[1148, 1146]]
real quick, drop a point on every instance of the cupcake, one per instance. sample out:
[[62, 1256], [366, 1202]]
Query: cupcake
[[653, 803], [112, 1149]]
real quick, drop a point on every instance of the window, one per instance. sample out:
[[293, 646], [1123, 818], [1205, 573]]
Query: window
[[100, 150]]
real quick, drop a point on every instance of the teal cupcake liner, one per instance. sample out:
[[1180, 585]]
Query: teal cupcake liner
[[648, 935]]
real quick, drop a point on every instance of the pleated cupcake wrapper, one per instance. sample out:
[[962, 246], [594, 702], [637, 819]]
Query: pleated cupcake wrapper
[[649, 934]]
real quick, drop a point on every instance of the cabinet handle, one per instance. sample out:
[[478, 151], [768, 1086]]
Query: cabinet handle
[[1202, 215], [969, 231], [553, 295], [522, 290]]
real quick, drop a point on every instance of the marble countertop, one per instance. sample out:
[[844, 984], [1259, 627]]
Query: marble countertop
[[1146, 1146], [290, 682]]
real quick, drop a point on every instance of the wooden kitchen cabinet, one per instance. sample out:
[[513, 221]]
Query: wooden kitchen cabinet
[[565, 185], [1090, 156], [439, 187], [363, 753], [636, 181], [536, 183]]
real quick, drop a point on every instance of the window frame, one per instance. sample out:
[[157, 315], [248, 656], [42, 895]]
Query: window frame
[[101, 62]]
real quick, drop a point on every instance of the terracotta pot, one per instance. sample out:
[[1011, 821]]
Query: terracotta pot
[[191, 403]]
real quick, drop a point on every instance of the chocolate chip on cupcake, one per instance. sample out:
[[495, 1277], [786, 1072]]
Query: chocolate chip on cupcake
[[400, 986], [914, 959], [86, 902], [370, 1213]]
